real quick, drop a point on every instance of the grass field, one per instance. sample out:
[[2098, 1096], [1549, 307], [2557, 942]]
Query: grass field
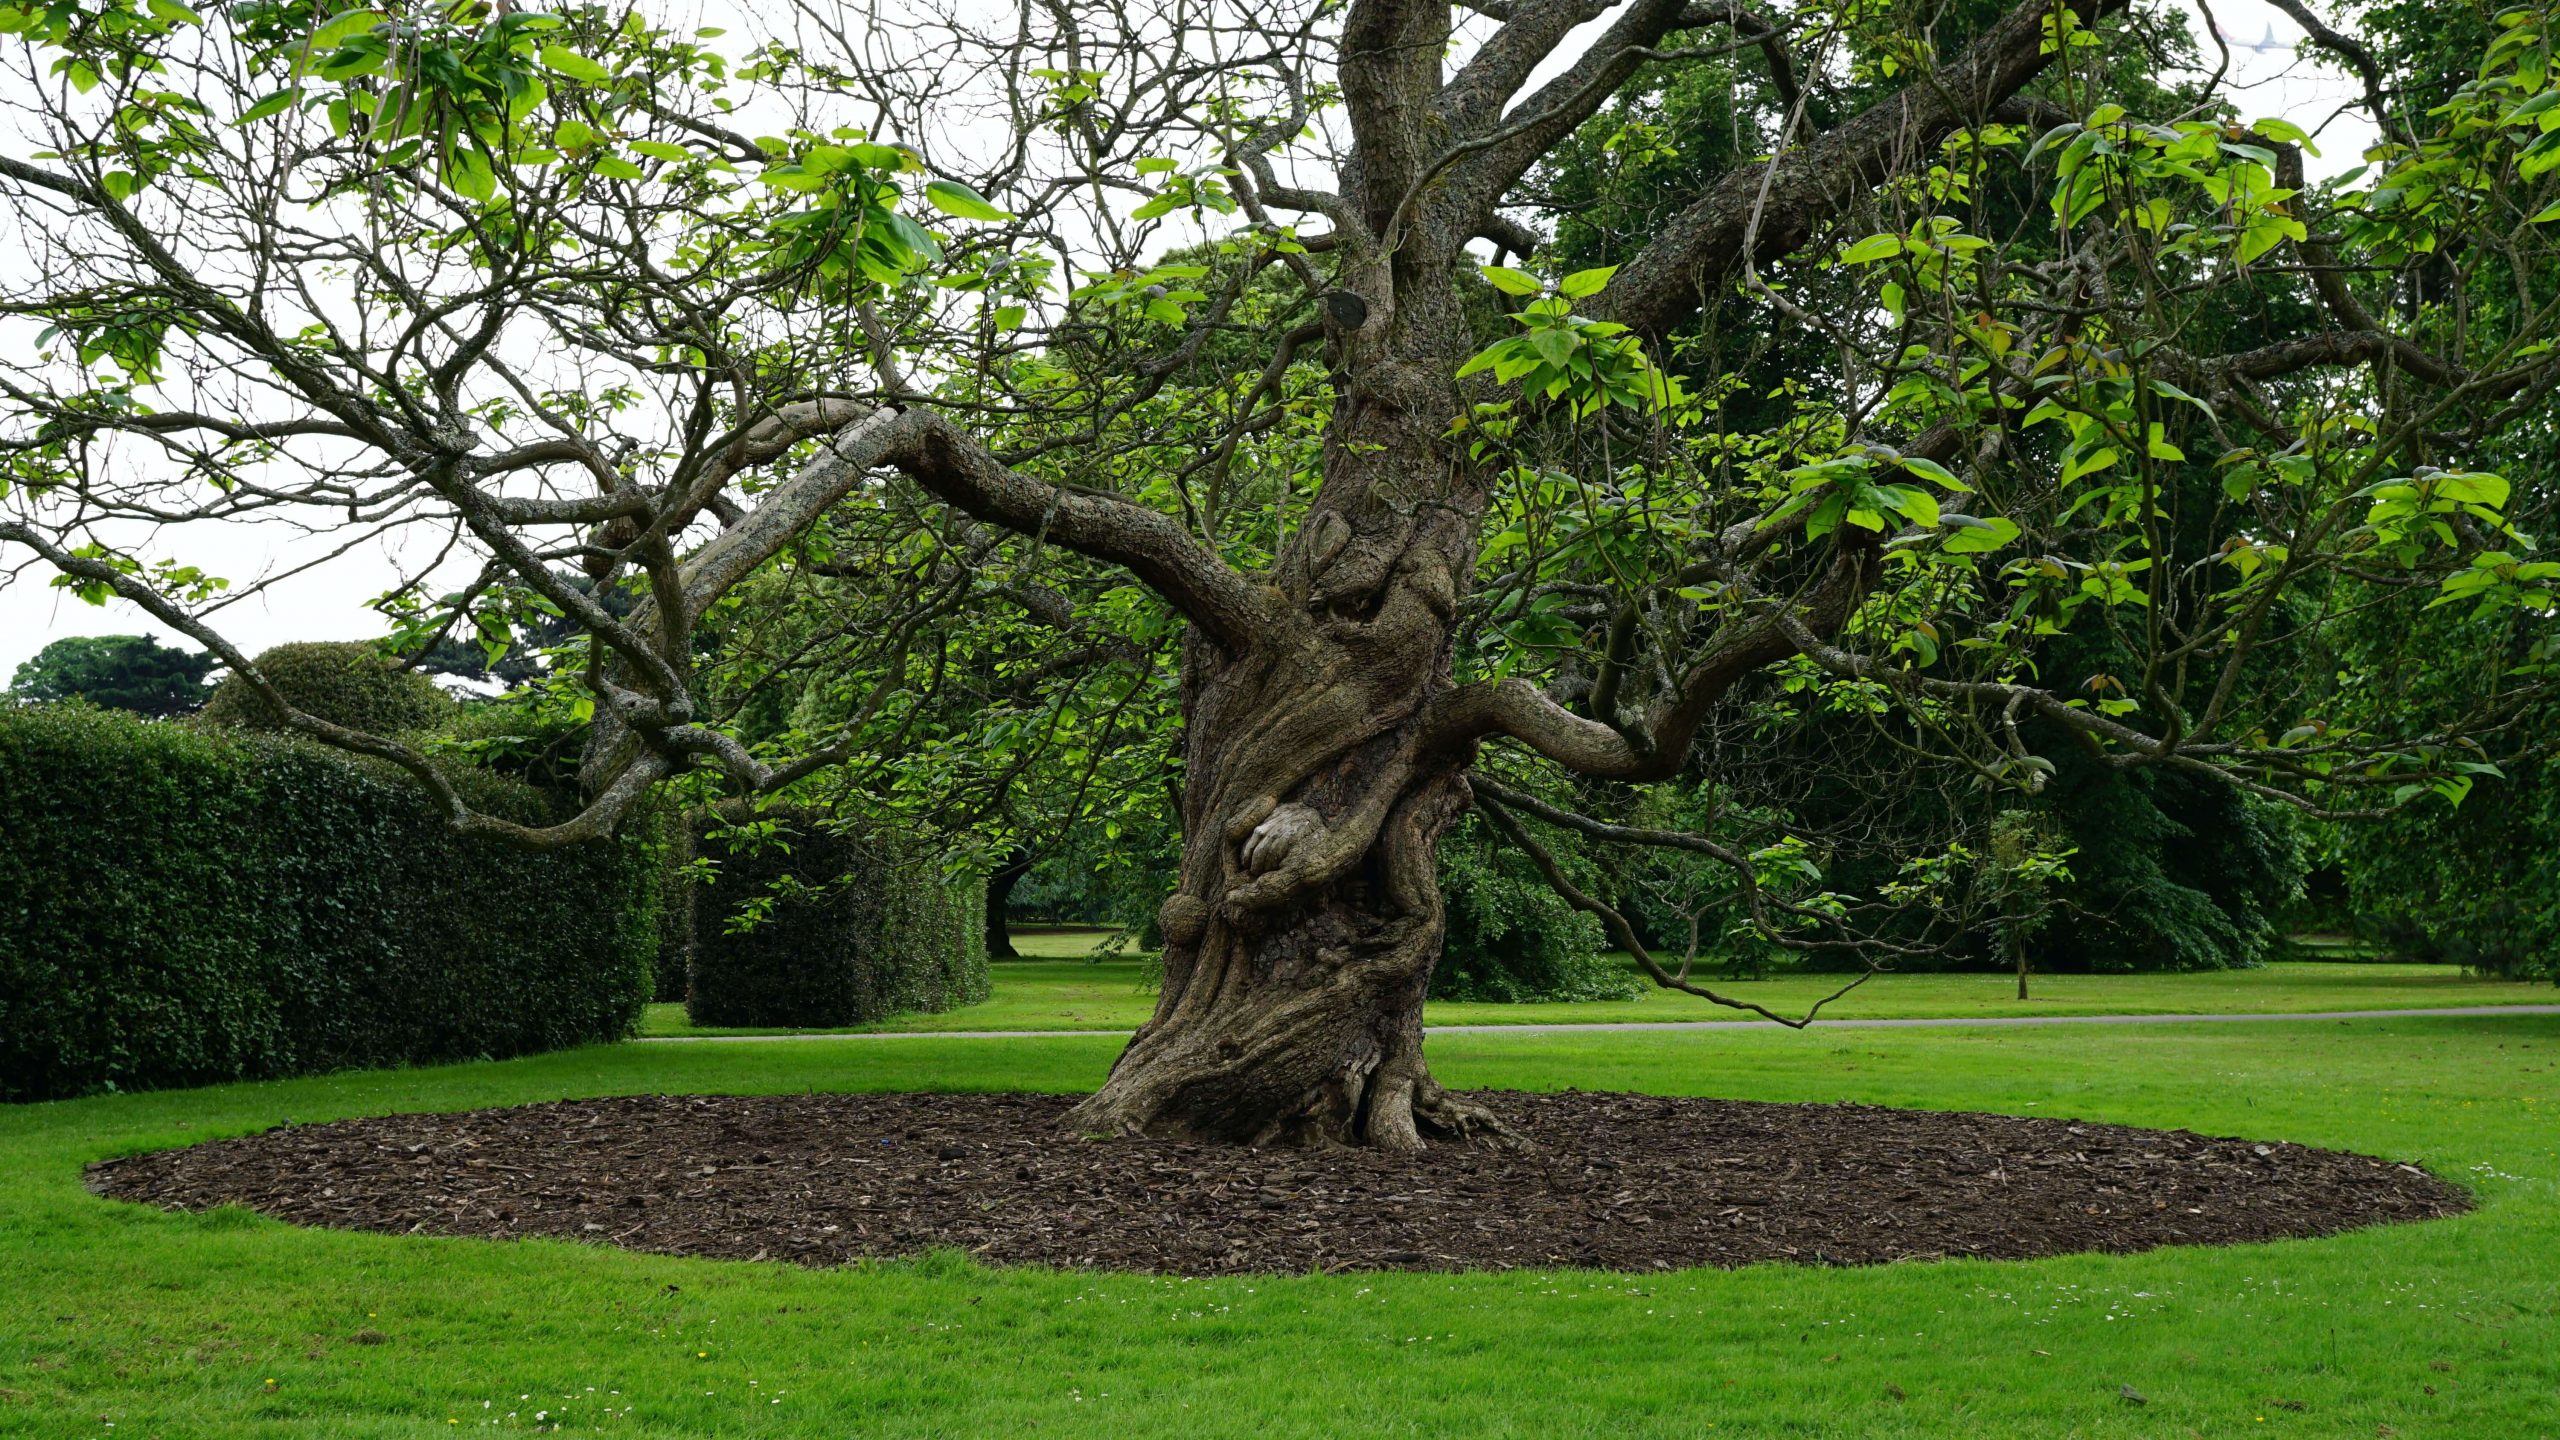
[[1054, 988], [227, 1325]]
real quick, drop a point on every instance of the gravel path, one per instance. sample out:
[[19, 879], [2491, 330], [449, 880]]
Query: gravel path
[[1953, 1021]]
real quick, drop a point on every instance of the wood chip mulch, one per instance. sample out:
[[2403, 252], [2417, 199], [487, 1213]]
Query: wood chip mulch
[[1621, 1182]]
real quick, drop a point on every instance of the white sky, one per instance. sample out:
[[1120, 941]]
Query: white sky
[[328, 603]]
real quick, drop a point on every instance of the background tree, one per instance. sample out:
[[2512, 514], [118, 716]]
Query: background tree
[[580, 290], [121, 672], [2026, 863]]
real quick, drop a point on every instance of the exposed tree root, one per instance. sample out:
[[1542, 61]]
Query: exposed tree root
[[1371, 1102]]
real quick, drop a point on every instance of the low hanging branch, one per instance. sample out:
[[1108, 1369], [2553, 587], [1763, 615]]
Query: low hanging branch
[[1620, 931]]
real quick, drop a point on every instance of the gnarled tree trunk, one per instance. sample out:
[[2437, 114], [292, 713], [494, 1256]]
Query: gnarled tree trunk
[[1301, 940]]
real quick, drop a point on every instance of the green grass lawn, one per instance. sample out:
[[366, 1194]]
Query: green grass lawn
[[226, 1325], [1053, 988]]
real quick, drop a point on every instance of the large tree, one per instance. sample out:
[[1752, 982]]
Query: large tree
[[123, 672], [579, 289]]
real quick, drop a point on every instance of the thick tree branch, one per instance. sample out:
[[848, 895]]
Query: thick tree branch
[[1700, 249], [955, 468], [1769, 631]]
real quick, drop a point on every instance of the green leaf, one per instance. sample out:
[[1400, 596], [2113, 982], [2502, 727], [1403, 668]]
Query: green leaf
[[2174, 393], [2533, 107], [2088, 464], [275, 104], [2059, 133], [2286, 131], [1935, 473], [1917, 505], [468, 172], [345, 28], [1586, 282], [350, 61], [661, 150], [614, 167], [792, 178], [2476, 487], [564, 61], [1511, 282], [1010, 317], [885, 157], [960, 202], [1979, 535], [912, 237], [1489, 357], [1872, 249], [2267, 232]]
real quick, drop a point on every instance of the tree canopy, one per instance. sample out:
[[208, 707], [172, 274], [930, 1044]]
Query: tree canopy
[[120, 672]]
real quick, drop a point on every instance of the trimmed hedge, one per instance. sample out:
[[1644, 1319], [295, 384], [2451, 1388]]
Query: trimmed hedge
[[675, 910], [345, 682], [838, 929], [180, 906]]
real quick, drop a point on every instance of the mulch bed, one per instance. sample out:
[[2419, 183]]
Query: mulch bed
[[1624, 1182]]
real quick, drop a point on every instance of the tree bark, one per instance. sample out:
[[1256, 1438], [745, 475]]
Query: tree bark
[[1301, 939], [999, 890]]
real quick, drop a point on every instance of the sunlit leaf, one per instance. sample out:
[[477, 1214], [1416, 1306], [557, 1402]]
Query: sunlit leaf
[[564, 61], [960, 202]]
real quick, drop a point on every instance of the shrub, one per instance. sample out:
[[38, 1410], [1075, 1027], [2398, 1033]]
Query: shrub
[[807, 923], [180, 906], [1510, 937], [672, 979], [346, 682]]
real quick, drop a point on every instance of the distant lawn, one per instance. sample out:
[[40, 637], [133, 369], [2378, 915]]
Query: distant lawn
[[1049, 990], [122, 1321]]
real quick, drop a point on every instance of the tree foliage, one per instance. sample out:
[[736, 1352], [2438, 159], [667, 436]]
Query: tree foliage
[[119, 672]]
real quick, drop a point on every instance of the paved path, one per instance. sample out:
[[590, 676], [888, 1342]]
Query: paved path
[[1956, 1021]]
